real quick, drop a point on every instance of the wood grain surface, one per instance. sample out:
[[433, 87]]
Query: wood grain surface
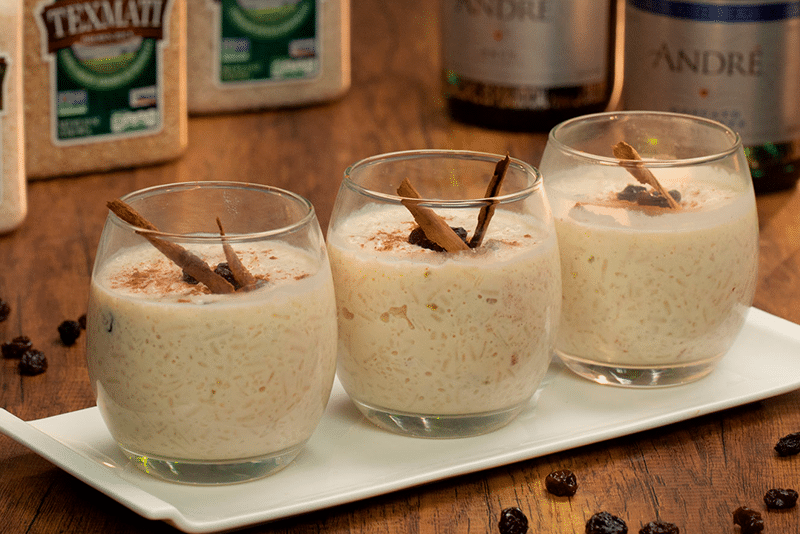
[[693, 473]]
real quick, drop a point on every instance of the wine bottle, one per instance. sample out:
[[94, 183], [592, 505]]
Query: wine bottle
[[515, 65], [734, 61]]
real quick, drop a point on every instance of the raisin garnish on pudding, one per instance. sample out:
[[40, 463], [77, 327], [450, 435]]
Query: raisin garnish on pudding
[[418, 237]]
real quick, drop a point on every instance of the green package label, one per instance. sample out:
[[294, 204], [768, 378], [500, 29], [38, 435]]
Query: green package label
[[267, 40], [106, 65]]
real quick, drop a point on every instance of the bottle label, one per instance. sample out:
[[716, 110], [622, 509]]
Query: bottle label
[[105, 67], [535, 43], [266, 40], [734, 61]]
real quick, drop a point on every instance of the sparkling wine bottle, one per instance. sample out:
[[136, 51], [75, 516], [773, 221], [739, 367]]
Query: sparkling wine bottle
[[527, 65], [735, 61]]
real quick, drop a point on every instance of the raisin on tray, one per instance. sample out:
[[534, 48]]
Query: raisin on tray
[[16, 347], [605, 523], [659, 527], [749, 521], [33, 362], [513, 521], [561, 483], [788, 445], [780, 499], [418, 237], [69, 331], [5, 310]]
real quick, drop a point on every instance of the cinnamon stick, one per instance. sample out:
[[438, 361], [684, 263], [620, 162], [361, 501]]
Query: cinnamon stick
[[240, 272], [436, 229], [487, 211], [624, 151], [192, 264]]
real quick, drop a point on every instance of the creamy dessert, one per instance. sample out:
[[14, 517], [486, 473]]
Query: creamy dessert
[[185, 374], [650, 286], [427, 332]]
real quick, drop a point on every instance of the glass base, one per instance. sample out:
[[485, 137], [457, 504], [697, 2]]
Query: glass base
[[439, 426], [638, 377], [212, 472]]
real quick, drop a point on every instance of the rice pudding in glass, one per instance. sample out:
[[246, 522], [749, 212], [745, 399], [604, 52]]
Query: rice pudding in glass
[[206, 387], [655, 291], [437, 343]]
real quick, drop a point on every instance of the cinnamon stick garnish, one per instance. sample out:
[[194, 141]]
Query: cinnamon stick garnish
[[240, 272], [624, 151], [436, 229], [192, 264], [487, 211]]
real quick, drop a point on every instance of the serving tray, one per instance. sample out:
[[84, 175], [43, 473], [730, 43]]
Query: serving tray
[[348, 459]]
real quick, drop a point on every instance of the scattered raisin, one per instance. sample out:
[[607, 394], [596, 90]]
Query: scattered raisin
[[513, 521], [5, 310], [780, 499], [224, 270], [69, 331], [82, 321], [750, 521], [605, 523], [418, 237], [561, 483], [16, 347], [189, 279], [788, 445], [659, 527], [33, 362]]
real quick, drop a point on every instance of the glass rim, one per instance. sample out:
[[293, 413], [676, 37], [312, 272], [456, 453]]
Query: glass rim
[[487, 157], [307, 218], [613, 116]]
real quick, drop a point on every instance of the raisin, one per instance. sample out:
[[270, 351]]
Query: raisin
[[605, 523], [561, 483], [418, 237], [749, 521], [69, 331], [188, 278], [33, 362], [630, 192], [513, 521], [659, 527], [5, 310], [16, 347], [82, 321], [640, 195], [780, 499], [225, 272], [788, 445]]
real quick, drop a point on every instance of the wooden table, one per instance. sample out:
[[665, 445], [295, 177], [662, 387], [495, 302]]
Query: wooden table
[[692, 473]]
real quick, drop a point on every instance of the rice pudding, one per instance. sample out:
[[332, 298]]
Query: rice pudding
[[426, 332], [648, 286], [184, 374]]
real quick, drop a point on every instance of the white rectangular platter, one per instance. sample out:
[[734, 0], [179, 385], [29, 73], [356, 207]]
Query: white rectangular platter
[[348, 459]]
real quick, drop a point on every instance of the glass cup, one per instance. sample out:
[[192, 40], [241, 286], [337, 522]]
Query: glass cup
[[205, 386], [654, 293], [433, 343]]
